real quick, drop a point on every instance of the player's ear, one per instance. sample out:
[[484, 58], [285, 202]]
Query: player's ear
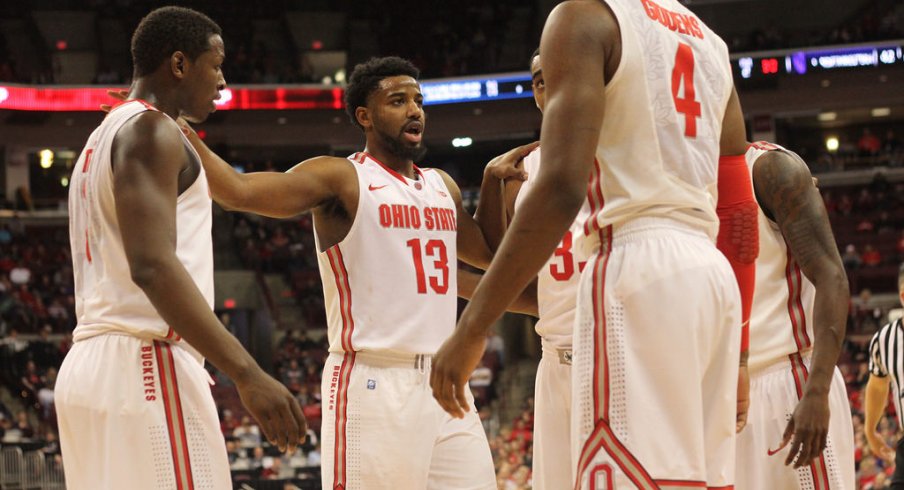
[[177, 64], [362, 114]]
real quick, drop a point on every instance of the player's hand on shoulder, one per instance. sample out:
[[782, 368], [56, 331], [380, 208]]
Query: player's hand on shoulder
[[120, 95], [509, 164], [275, 409]]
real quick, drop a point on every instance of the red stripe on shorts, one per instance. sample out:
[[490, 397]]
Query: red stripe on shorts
[[340, 448], [175, 422], [818, 467]]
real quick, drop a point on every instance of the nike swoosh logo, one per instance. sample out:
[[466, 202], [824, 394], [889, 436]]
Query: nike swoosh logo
[[771, 452], [372, 187]]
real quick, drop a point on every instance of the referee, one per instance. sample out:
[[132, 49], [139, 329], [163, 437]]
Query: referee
[[886, 366]]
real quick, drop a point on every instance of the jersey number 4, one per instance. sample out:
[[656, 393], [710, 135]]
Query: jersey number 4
[[435, 249], [687, 104]]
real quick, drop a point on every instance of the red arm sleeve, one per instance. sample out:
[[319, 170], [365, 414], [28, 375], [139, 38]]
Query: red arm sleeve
[[738, 232]]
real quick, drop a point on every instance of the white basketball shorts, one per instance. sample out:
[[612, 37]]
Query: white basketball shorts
[[138, 414], [657, 346], [774, 393], [382, 429]]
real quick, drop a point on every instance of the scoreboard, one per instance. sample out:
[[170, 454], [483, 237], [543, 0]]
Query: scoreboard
[[764, 66]]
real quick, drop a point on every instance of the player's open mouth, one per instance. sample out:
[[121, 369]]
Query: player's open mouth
[[414, 132]]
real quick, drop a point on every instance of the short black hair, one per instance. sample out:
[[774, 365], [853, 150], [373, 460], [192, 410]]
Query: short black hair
[[167, 30], [366, 78]]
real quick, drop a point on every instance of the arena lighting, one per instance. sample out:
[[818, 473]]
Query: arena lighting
[[881, 112], [66, 99], [290, 97], [827, 116], [46, 157], [832, 144], [64, 181], [462, 142]]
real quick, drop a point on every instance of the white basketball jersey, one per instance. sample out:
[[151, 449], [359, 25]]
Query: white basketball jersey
[[106, 299], [658, 150], [390, 285], [783, 299], [557, 282]]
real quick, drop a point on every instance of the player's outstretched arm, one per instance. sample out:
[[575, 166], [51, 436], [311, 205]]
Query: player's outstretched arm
[[148, 157], [786, 190], [585, 31], [492, 207], [275, 194]]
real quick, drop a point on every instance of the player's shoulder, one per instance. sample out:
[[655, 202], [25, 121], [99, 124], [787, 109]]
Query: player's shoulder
[[447, 179], [150, 135], [764, 156], [152, 124]]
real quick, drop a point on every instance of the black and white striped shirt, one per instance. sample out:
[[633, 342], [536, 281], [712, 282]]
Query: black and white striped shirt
[[886, 357]]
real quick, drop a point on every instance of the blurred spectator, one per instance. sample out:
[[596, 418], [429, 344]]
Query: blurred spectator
[[292, 377], [851, 259], [890, 144], [865, 226], [257, 458], [480, 382], [313, 458], [45, 393], [20, 275], [44, 351], [871, 257], [248, 434], [496, 346], [31, 382], [229, 423], [868, 144]]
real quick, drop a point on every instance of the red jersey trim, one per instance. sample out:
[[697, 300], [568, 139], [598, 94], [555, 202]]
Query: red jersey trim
[[795, 306], [392, 172], [340, 275]]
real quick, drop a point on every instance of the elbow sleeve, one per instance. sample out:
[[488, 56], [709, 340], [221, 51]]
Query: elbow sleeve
[[738, 230]]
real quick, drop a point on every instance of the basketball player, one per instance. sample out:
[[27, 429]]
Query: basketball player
[[133, 398], [797, 328], [638, 95], [388, 234], [556, 294], [886, 370]]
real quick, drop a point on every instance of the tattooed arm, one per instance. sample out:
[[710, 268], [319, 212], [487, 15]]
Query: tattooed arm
[[785, 189]]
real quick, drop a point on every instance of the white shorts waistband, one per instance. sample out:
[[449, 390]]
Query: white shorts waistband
[[421, 362], [782, 365]]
